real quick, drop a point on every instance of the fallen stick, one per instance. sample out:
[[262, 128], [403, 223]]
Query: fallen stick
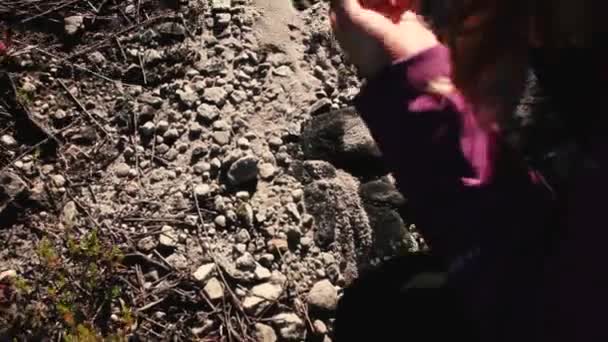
[[82, 108], [49, 11], [103, 42]]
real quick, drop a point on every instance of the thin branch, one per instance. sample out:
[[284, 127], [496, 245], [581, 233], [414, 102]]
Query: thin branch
[[82, 108], [49, 11]]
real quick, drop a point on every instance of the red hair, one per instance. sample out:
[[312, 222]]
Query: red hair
[[490, 37]]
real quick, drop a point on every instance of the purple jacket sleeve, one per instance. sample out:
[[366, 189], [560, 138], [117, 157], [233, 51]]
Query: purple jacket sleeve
[[463, 185]]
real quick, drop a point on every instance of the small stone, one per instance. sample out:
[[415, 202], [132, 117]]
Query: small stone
[[202, 190], [216, 164], [251, 303], [97, 58], [58, 180], [221, 125], [187, 96], [307, 220], [191, 220], [283, 71], [59, 115], [294, 235], [243, 195], [8, 141], [267, 291], [214, 289], [320, 327], [262, 273], [177, 261], [221, 5], [297, 195], [223, 19], [290, 326], [29, 87], [267, 171], [238, 96], [168, 237], [240, 248], [333, 272], [151, 99], [320, 107], [73, 24], [199, 152], [172, 29], [264, 333], [152, 56], [243, 171], [243, 236], [323, 296], [147, 244], [243, 143], [221, 138], [275, 142], [204, 272], [277, 246], [147, 129], [69, 214], [162, 148], [220, 221], [171, 154], [267, 259], [207, 113], [306, 242], [327, 258], [215, 95], [195, 130], [162, 126], [171, 134], [246, 262], [292, 209]]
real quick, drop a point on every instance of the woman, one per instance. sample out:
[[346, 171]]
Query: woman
[[524, 258]]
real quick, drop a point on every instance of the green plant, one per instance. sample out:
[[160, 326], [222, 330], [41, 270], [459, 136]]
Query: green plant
[[83, 333], [22, 285], [47, 253], [79, 288], [24, 97]]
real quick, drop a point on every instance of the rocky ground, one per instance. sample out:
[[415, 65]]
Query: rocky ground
[[183, 170]]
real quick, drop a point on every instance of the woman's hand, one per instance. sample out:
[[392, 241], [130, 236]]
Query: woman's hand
[[377, 33]]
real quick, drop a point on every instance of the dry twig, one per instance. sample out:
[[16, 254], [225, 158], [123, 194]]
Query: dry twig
[[82, 108]]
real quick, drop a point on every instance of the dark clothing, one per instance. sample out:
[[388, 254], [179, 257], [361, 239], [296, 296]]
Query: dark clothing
[[405, 299], [534, 269]]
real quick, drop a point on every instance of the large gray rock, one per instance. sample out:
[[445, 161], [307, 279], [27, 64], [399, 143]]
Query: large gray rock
[[383, 203], [310, 170], [243, 171], [342, 138], [341, 223]]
